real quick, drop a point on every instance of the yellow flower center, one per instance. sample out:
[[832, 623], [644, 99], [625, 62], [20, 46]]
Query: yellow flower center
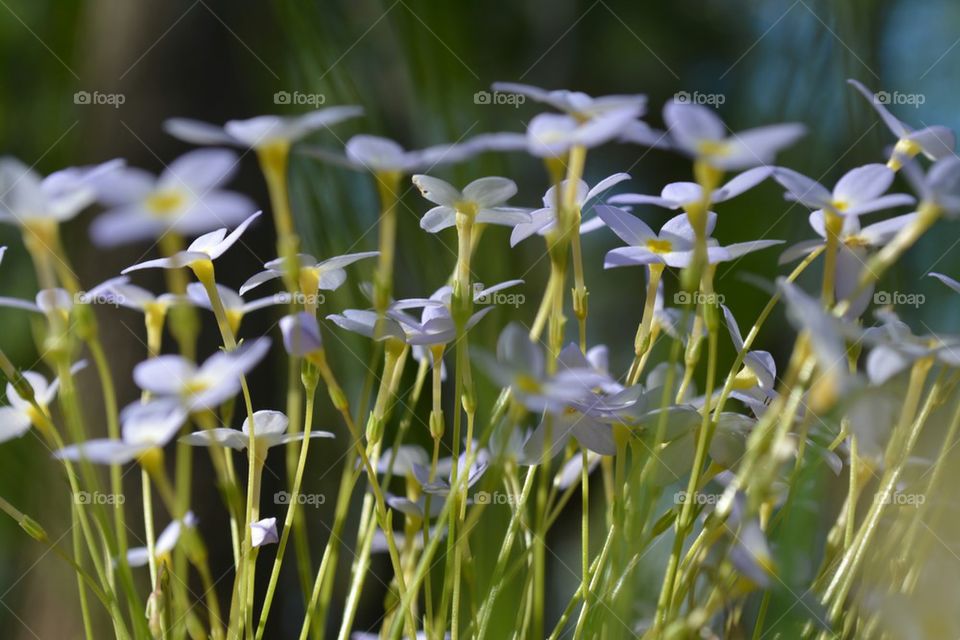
[[841, 205], [165, 202], [713, 147], [853, 241], [659, 246], [527, 384]]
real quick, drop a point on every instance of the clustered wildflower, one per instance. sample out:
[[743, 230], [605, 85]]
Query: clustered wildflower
[[853, 393]]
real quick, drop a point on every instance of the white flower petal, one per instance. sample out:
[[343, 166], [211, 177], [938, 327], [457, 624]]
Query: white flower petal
[[437, 191]]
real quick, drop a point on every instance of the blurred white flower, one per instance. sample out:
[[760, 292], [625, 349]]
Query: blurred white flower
[[700, 133], [166, 541], [234, 306], [145, 427], [259, 131], [198, 388], [935, 142], [16, 419], [186, 198], [859, 191], [681, 195], [26, 198], [269, 430]]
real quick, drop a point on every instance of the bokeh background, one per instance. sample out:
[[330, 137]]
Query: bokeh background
[[415, 66]]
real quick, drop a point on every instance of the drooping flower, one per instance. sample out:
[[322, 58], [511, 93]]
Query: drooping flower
[[700, 133], [145, 427], [186, 198], [482, 199], [204, 249], [26, 199], [681, 195], [859, 191], [259, 131], [327, 274], [544, 220], [16, 419], [233, 305], [269, 430], [198, 388], [673, 246], [935, 142], [369, 324], [263, 532], [301, 334], [166, 541], [754, 383]]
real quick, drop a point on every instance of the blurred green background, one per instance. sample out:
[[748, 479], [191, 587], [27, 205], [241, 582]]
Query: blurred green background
[[415, 66]]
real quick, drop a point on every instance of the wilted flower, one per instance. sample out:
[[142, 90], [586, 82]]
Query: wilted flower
[[263, 532], [301, 334], [186, 198], [544, 220], [481, 200], [700, 133]]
